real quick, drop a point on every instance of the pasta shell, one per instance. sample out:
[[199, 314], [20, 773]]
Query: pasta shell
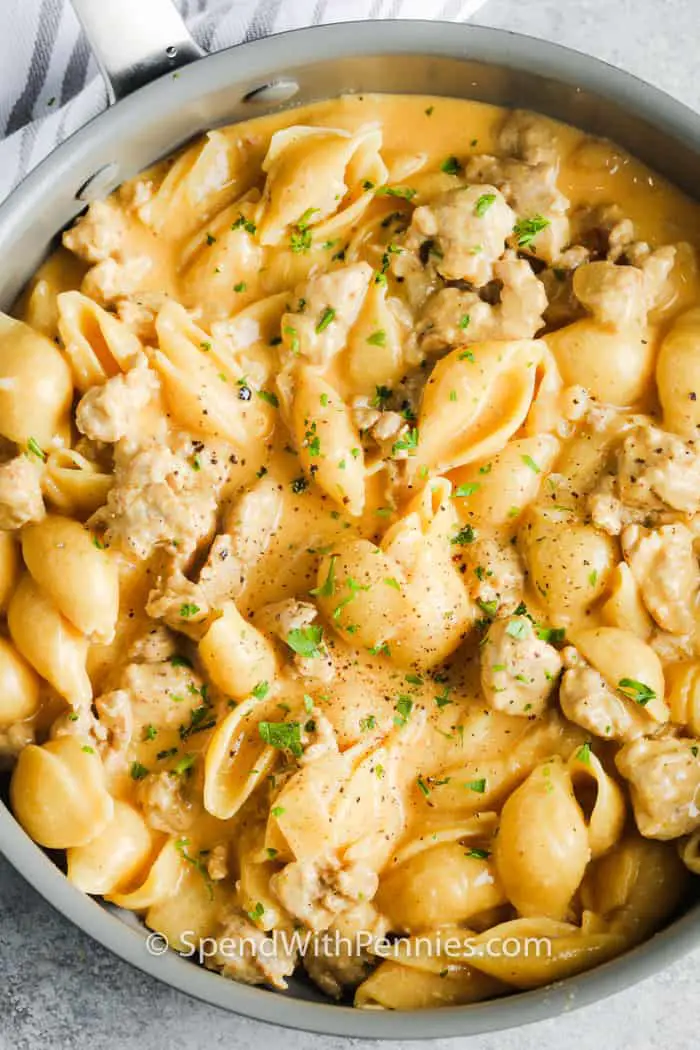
[[58, 793], [9, 567], [96, 343], [374, 349], [542, 848], [80, 579], [475, 400], [49, 642], [201, 396], [678, 375], [328, 442], [607, 812], [162, 880], [35, 386], [114, 858], [204, 179], [74, 485], [19, 686], [620, 655], [237, 759], [309, 172], [438, 886], [565, 951]]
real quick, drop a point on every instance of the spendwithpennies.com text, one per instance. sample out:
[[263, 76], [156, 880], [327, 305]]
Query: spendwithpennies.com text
[[334, 944]]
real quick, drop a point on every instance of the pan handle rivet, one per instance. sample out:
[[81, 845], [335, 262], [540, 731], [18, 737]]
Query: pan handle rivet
[[275, 91], [100, 184]]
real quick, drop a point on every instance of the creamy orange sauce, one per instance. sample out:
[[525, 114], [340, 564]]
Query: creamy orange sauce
[[450, 681]]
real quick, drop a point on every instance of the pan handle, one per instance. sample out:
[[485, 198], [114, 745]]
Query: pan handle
[[135, 41]]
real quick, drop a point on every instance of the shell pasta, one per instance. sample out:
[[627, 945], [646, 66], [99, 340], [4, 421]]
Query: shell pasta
[[349, 582]]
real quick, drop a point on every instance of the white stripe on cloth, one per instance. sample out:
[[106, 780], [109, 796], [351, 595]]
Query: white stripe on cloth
[[51, 87]]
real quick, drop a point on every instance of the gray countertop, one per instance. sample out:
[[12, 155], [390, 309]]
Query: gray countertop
[[58, 989]]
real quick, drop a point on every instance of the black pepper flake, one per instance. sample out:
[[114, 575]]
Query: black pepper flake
[[244, 393]]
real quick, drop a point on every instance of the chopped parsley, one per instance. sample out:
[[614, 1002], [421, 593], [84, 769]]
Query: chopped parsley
[[443, 698], [477, 785], [304, 220], [466, 355], [267, 395], [407, 443], [200, 719], [464, 321], [391, 581], [422, 786], [381, 396], [462, 491], [283, 735], [403, 708], [305, 640], [240, 287], [185, 764], [242, 223], [377, 338], [300, 241], [465, 535], [368, 723], [529, 462], [552, 635], [188, 609], [637, 691], [477, 854], [405, 192], [527, 229], [451, 166], [260, 690], [138, 771], [168, 753], [584, 753], [380, 649], [179, 661], [518, 629], [35, 448], [325, 319], [483, 204], [327, 588], [354, 587], [196, 862]]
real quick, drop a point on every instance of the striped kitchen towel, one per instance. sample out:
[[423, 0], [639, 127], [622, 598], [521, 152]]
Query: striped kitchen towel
[[50, 85]]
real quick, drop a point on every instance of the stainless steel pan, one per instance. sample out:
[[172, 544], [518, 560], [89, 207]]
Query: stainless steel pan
[[164, 92]]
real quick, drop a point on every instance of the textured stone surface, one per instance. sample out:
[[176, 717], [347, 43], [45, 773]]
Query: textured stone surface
[[60, 990]]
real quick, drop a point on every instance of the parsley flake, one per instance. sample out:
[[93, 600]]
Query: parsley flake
[[283, 735], [305, 641], [637, 691], [527, 229], [483, 204]]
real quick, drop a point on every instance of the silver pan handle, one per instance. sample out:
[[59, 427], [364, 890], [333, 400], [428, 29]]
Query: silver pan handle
[[135, 41]]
